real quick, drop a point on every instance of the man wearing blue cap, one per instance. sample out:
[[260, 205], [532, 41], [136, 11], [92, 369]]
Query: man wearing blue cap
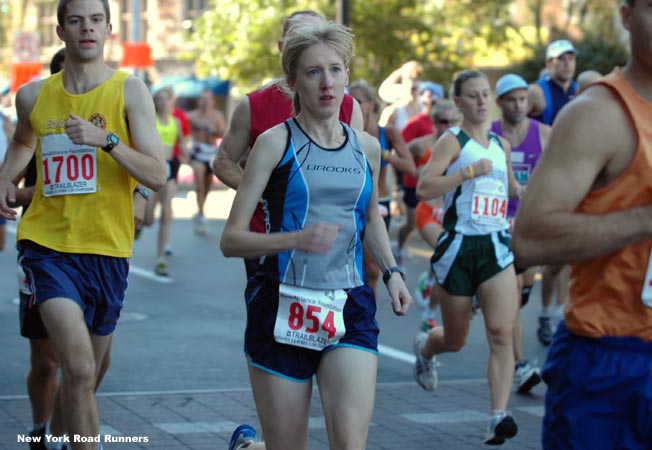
[[546, 98], [552, 91], [527, 137]]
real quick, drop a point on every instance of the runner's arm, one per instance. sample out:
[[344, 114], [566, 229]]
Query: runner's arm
[[515, 188], [144, 162], [432, 181], [400, 157], [592, 144], [234, 146], [535, 100], [20, 150]]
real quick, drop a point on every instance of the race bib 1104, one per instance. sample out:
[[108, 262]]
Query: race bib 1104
[[67, 168], [489, 205], [309, 318]]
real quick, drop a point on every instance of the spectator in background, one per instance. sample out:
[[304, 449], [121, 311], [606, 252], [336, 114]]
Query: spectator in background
[[546, 98], [553, 90], [586, 78], [207, 125], [401, 91], [418, 126], [394, 152], [169, 129]]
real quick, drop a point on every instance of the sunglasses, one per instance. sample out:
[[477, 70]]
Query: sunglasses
[[444, 121]]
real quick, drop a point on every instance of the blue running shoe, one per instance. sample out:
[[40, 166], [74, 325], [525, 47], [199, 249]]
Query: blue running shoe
[[244, 434]]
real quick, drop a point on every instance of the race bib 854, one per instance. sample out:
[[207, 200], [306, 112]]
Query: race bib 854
[[309, 318]]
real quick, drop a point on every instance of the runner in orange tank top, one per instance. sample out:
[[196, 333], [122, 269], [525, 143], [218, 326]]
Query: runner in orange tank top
[[588, 204]]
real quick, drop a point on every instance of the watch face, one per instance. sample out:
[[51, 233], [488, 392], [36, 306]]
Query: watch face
[[113, 139]]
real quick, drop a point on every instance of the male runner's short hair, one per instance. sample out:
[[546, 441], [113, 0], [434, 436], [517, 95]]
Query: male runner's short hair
[[63, 4]]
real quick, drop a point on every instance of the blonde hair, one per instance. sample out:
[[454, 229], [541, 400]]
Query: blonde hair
[[299, 38], [295, 19]]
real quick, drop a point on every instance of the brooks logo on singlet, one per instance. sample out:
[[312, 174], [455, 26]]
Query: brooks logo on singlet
[[334, 169]]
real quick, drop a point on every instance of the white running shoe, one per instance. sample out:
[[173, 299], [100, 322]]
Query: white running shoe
[[425, 370], [526, 376], [424, 289], [501, 427]]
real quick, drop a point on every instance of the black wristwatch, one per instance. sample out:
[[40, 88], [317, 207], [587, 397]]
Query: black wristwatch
[[112, 141], [143, 192], [388, 273]]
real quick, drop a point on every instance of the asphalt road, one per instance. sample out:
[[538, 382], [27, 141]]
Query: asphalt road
[[187, 332]]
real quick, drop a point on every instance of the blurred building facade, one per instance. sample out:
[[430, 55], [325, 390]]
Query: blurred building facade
[[164, 25]]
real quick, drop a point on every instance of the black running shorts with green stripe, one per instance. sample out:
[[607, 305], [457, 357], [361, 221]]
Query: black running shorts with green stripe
[[461, 263]]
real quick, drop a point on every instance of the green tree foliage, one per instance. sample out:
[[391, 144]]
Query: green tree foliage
[[601, 47], [237, 38]]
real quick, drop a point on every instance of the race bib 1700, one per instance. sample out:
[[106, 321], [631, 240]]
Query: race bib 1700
[[309, 318], [67, 168]]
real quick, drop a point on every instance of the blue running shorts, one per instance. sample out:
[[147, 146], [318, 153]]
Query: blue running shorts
[[31, 325], [298, 363], [96, 283], [599, 393]]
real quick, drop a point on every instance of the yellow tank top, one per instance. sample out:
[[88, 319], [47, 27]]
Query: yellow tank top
[[82, 199], [169, 132], [605, 293]]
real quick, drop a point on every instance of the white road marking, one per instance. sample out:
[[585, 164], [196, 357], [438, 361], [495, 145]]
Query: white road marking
[[538, 410], [197, 427], [396, 354], [148, 274], [108, 429], [447, 417]]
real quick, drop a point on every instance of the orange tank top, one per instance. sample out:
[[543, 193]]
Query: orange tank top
[[605, 292]]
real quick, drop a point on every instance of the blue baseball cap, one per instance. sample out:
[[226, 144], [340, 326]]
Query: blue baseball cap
[[508, 83], [437, 90], [558, 48]]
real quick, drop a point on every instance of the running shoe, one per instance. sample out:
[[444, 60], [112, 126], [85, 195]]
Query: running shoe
[[544, 332], [475, 306], [424, 289], [168, 251], [40, 445], [428, 324], [161, 268], [243, 435], [36, 433], [425, 370], [200, 225], [526, 376], [501, 427]]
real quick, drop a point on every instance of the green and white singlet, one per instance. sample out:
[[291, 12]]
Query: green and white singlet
[[479, 205]]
